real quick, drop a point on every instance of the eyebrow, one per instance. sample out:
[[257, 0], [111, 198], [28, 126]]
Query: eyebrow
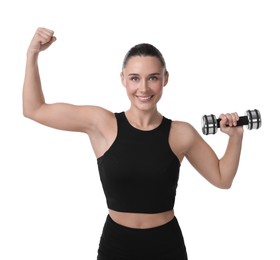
[[152, 74]]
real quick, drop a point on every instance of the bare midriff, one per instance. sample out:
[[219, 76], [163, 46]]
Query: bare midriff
[[141, 220]]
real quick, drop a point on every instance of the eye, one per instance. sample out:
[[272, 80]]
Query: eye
[[153, 78], [134, 78]]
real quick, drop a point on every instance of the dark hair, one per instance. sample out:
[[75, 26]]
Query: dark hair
[[144, 49]]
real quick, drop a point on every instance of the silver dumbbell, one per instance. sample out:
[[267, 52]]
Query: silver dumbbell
[[210, 123]]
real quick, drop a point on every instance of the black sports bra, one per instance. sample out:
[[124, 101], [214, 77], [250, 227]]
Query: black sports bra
[[139, 172]]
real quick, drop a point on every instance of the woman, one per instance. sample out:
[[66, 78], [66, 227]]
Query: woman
[[139, 153]]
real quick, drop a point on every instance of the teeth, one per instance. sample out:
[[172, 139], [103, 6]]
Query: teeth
[[145, 98]]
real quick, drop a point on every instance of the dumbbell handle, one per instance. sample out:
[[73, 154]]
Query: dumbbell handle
[[243, 120]]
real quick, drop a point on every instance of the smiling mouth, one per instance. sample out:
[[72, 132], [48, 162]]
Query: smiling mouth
[[144, 98]]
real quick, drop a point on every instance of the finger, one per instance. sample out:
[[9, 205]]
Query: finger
[[224, 120], [44, 35], [232, 119], [45, 31], [235, 118]]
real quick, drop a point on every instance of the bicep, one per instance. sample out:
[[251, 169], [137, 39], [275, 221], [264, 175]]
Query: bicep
[[67, 116], [203, 158]]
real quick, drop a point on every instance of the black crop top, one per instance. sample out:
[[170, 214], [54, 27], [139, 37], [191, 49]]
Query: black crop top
[[139, 172]]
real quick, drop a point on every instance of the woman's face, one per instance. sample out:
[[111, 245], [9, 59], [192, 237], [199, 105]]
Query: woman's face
[[144, 78]]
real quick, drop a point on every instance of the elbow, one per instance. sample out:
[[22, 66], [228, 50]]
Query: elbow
[[224, 185], [27, 113], [26, 109], [31, 112]]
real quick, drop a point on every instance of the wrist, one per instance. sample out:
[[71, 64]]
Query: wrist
[[32, 52], [32, 56], [237, 135]]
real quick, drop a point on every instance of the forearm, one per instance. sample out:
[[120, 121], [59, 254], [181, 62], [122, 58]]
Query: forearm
[[33, 96], [228, 164]]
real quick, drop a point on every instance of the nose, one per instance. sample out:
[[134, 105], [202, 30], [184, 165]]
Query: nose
[[143, 87]]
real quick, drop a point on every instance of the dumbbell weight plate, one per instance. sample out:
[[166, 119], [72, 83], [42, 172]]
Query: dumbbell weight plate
[[209, 124]]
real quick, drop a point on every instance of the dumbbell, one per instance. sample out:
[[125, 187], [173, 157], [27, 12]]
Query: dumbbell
[[252, 119]]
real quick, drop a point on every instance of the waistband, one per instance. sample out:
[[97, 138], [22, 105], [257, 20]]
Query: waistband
[[134, 243], [172, 222]]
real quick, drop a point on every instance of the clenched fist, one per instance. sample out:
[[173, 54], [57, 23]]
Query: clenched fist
[[42, 39]]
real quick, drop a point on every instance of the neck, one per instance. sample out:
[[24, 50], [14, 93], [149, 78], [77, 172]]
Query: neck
[[145, 120]]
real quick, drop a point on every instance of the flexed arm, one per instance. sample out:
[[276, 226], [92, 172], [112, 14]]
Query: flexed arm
[[218, 171], [59, 115], [33, 97]]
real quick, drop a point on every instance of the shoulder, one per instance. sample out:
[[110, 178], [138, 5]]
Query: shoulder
[[182, 137], [182, 128], [100, 118]]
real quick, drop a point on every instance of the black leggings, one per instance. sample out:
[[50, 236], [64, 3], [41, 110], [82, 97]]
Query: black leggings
[[165, 242]]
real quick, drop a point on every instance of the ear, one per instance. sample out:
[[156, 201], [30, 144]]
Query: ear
[[122, 79], [166, 77]]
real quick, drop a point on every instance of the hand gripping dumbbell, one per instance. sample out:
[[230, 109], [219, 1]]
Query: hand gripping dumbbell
[[252, 119]]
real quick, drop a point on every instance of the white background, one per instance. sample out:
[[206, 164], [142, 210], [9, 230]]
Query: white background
[[223, 56]]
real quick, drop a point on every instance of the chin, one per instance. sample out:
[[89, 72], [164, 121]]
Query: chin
[[146, 108]]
